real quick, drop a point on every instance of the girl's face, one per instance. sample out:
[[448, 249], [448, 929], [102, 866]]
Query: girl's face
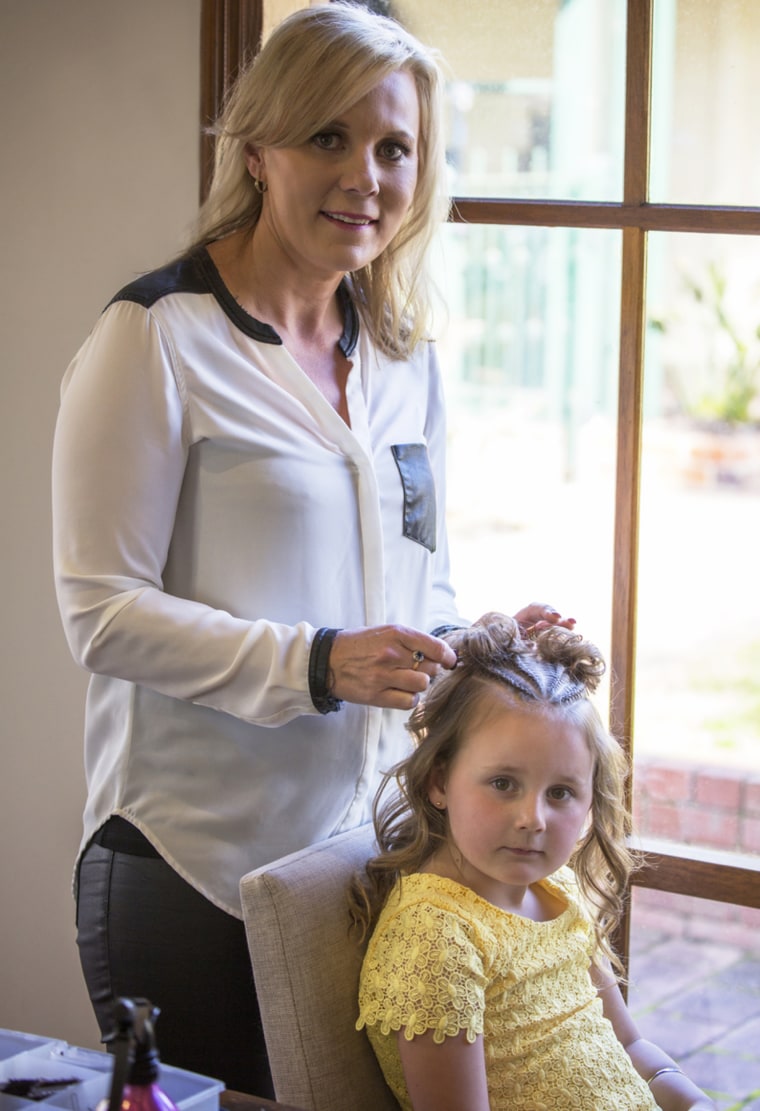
[[335, 202], [517, 796]]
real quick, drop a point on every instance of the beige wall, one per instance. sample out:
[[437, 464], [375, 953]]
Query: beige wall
[[98, 133]]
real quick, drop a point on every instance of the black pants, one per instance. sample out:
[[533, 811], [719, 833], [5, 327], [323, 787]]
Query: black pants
[[142, 931]]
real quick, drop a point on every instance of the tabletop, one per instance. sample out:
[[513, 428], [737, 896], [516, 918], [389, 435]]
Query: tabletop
[[240, 1101]]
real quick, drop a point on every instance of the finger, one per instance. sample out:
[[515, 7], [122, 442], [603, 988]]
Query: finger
[[394, 699], [541, 615], [554, 617], [539, 626], [421, 666], [557, 620], [433, 651], [416, 682]]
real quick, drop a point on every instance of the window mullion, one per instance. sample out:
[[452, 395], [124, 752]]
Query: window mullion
[[632, 322], [630, 388]]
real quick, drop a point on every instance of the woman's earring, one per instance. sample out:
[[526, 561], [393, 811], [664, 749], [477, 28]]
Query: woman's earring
[[259, 185]]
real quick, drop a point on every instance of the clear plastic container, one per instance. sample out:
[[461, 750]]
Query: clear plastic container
[[25, 1056], [13, 1042]]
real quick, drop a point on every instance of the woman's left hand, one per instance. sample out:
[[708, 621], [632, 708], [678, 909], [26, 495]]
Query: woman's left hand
[[537, 616]]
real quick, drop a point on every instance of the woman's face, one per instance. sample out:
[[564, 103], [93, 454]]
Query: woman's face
[[336, 201]]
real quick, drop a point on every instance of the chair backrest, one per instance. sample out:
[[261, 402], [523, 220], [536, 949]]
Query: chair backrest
[[306, 968]]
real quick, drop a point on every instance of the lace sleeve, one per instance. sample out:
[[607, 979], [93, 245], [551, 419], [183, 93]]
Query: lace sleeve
[[423, 972]]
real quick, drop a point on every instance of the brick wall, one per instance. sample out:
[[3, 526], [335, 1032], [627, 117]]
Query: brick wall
[[715, 807]]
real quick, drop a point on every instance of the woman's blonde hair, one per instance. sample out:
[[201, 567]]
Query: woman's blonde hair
[[314, 66], [552, 673]]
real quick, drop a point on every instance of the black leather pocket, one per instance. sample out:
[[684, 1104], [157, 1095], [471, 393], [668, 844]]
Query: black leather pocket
[[419, 493]]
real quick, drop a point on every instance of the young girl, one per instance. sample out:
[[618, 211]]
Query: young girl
[[488, 983]]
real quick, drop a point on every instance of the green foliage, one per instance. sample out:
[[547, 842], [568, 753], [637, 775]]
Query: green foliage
[[730, 391], [740, 375]]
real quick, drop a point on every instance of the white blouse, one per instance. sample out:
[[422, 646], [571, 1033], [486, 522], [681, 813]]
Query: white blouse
[[211, 512]]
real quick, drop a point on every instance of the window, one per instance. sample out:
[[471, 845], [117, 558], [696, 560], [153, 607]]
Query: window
[[604, 335], [637, 489]]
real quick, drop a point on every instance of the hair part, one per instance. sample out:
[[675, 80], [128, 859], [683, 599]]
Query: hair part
[[553, 673], [316, 65]]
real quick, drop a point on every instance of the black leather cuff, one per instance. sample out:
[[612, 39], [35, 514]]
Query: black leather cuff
[[319, 672]]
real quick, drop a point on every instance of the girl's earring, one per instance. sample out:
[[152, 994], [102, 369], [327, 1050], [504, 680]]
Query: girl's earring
[[259, 185]]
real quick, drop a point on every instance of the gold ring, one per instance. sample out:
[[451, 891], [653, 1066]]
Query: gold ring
[[418, 657]]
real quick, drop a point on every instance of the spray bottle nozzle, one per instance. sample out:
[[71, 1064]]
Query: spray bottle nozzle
[[135, 1054]]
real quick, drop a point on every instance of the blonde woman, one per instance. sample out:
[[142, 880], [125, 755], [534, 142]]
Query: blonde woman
[[250, 547]]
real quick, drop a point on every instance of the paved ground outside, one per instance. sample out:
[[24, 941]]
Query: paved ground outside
[[700, 1000]]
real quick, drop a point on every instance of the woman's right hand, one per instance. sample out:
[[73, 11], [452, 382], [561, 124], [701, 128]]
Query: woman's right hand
[[377, 666]]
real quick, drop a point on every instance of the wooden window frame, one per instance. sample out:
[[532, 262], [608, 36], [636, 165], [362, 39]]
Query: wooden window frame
[[230, 33], [230, 36]]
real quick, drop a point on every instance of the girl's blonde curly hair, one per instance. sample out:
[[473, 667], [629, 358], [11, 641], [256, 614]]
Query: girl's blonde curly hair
[[554, 672]]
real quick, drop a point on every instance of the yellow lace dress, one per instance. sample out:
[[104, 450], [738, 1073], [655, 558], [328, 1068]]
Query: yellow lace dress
[[443, 959]]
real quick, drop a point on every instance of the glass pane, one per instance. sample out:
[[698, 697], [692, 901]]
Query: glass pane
[[535, 96], [706, 83], [697, 718], [529, 349], [695, 990]]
